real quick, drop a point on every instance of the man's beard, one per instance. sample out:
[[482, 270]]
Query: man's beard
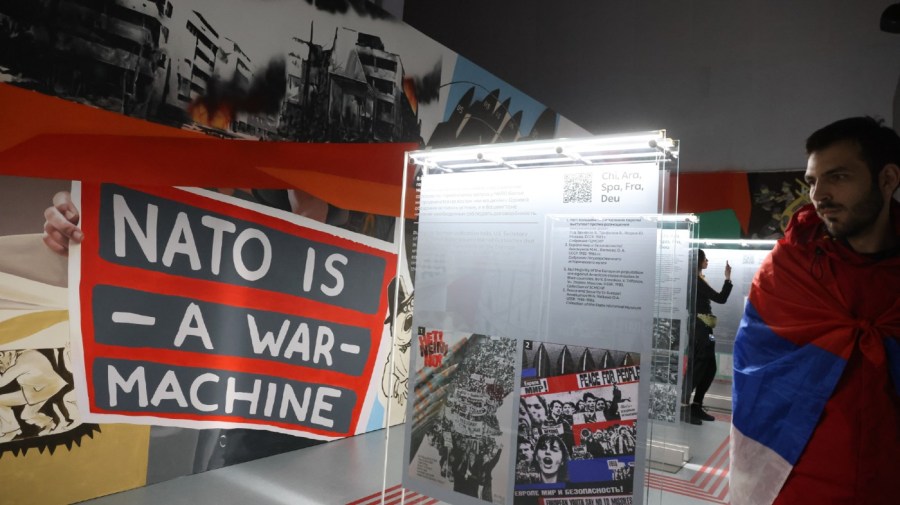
[[858, 217]]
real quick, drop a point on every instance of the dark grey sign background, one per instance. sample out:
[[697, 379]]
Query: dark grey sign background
[[363, 274], [226, 325], [214, 393]]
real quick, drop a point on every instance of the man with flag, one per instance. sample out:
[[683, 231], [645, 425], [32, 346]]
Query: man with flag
[[817, 355]]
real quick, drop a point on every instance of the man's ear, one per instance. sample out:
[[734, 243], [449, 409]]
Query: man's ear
[[889, 179]]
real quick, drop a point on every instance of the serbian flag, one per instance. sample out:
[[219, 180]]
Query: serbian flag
[[817, 374]]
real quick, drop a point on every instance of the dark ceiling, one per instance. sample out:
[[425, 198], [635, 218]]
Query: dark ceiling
[[741, 84]]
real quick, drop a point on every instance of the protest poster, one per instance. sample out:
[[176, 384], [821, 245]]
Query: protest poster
[[460, 415], [194, 309], [577, 431]]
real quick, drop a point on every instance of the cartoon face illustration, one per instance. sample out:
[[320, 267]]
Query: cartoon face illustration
[[403, 322]]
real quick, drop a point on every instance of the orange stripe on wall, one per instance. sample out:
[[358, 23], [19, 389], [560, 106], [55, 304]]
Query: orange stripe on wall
[[43, 136], [345, 192], [707, 191], [27, 114]]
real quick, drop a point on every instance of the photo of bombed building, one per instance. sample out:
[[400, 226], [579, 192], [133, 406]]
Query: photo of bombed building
[[108, 54], [157, 60]]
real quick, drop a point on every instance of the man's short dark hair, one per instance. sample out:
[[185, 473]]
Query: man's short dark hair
[[879, 145], [541, 399]]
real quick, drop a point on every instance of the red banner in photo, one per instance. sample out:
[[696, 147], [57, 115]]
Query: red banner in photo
[[579, 381]]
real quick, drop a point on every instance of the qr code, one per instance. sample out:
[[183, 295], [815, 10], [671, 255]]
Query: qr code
[[577, 188]]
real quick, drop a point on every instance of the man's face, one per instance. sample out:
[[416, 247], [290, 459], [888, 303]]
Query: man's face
[[568, 409], [524, 420], [556, 409], [526, 452], [536, 409], [590, 405], [842, 188]]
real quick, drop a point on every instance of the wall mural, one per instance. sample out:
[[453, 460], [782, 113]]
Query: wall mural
[[345, 73], [755, 205], [775, 197], [277, 71]]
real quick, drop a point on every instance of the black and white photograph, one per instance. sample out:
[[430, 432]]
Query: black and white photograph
[[462, 412], [337, 71], [577, 428], [666, 333], [665, 369], [664, 402], [324, 72]]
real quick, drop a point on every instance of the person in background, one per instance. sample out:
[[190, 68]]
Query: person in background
[[524, 458], [536, 407], [610, 407], [816, 400], [490, 456], [702, 365], [568, 411], [589, 413]]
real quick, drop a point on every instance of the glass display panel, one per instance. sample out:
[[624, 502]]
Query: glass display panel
[[536, 285]]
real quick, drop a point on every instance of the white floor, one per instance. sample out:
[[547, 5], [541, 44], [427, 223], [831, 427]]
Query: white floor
[[704, 479]]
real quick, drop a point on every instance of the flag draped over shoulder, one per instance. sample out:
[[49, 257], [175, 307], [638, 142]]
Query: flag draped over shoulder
[[817, 372]]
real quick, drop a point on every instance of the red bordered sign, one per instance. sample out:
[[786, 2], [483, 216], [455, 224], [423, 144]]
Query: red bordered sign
[[199, 310]]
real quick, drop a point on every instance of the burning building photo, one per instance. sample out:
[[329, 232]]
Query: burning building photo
[[170, 62]]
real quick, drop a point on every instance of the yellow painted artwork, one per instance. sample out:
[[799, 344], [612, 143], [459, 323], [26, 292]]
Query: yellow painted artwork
[[113, 460], [48, 455]]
